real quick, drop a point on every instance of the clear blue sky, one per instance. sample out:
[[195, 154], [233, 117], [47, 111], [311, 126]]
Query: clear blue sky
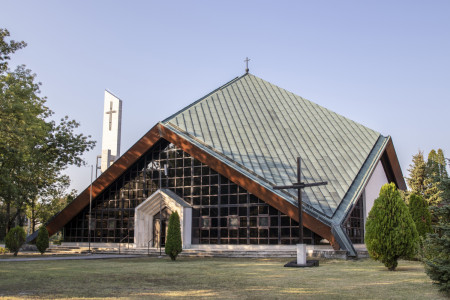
[[384, 64]]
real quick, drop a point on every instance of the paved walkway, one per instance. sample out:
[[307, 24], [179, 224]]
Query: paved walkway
[[86, 256]]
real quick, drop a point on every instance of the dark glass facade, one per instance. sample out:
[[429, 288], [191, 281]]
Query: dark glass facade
[[223, 212], [355, 223]]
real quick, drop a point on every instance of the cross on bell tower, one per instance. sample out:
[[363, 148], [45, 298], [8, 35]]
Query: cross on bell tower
[[110, 112]]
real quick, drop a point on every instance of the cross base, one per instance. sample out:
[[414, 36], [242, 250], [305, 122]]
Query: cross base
[[301, 261], [309, 264]]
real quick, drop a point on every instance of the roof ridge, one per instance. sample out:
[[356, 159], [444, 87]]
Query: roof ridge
[[203, 98]]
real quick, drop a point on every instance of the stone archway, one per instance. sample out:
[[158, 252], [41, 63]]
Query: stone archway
[[145, 212]]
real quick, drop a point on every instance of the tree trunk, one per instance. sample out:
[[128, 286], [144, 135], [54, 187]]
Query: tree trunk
[[8, 217], [33, 216]]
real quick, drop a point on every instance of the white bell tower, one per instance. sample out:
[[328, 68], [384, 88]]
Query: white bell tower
[[112, 122]]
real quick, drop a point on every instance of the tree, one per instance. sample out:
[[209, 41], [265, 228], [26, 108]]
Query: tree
[[390, 230], [433, 182], [7, 48], [437, 249], [15, 239], [418, 208], [173, 243], [417, 174], [34, 150], [42, 241]]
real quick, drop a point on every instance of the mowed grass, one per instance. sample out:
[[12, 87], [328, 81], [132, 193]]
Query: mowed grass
[[213, 278]]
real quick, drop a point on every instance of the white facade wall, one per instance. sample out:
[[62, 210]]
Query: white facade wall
[[372, 190]]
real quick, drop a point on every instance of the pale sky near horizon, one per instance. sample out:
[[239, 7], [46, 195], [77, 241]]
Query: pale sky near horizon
[[384, 64]]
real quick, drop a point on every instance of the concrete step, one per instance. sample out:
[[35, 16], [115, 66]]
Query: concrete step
[[272, 253]]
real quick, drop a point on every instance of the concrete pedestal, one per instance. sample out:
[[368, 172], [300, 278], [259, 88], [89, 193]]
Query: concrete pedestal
[[301, 254]]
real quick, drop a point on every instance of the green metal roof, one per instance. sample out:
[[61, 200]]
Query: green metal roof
[[260, 129]]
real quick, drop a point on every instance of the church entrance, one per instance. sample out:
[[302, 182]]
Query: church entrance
[[160, 227], [148, 231]]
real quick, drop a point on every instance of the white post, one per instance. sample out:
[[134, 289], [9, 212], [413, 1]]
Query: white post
[[301, 254]]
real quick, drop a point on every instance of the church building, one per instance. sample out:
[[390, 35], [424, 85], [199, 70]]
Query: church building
[[216, 162]]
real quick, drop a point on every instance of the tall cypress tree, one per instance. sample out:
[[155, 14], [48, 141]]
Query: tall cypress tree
[[390, 230], [173, 242]]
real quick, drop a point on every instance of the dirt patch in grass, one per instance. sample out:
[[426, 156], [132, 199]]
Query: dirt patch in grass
[[213, 277]]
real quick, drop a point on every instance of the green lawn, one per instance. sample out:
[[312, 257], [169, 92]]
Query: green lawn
[[213, 277]]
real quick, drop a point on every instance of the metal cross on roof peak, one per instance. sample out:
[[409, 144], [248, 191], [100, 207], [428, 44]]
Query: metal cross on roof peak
[[299, 185], [246, 62]]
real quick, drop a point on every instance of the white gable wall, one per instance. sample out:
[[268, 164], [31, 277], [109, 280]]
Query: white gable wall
[[372, 190]]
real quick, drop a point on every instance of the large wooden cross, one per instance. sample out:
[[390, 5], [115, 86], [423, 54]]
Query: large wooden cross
[[110, 112], [299, 186]]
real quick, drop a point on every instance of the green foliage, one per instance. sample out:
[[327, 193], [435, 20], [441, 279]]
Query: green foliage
[[417, 174], [173, 241], [430, 179], [42, 241], [390, 230], [15, 239], [437, 249], [418, 208], [34, 150], [7, 48], [2, 250]]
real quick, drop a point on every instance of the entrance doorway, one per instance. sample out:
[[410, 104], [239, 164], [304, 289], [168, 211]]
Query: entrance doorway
[[160, 231]]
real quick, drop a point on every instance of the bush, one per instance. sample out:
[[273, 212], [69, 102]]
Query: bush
[[390, 230], [173, 242], [437, 250], [42, 241], [418, 208], [2, 250], [14, 239]]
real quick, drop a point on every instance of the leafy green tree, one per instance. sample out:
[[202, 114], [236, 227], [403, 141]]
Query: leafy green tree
[[418, 208], [15, 239], [417, 174], [390, 230], [7, 48], [173, 243], [437, 249], [42, 241], [34, 150]]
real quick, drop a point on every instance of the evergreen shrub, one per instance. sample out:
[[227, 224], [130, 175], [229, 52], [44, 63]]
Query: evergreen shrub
[[173, 242], [390, 230], [15, 239], [42, 241], [418, 208], [437, 250]]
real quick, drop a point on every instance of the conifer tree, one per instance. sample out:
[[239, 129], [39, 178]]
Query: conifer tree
[[42, 241], [417, 174], [15, 239], [390, 230], [434, 182], [173, 243], [437, 249], [418, 208]]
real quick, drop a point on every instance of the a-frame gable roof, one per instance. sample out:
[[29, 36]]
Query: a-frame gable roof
[[260, 129]]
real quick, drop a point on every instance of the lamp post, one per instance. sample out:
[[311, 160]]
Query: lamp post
[[90, 208], [160, 208]]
